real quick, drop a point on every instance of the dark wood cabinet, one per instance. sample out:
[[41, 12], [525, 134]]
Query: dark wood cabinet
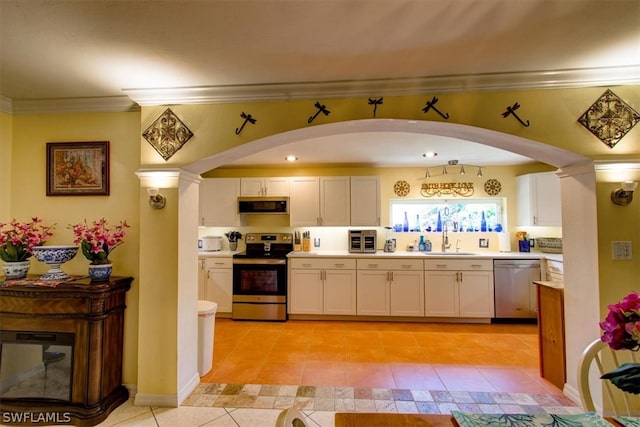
[[94, 314], [551, 333]]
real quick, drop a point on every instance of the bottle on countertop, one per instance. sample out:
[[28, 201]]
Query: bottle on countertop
[[439, 223], [405, 224], [422, 246], [483, 223]]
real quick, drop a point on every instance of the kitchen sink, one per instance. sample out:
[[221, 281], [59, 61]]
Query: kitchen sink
[[452, 253]]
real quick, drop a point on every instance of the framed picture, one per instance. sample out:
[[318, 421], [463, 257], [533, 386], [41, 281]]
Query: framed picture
[[78, 168]]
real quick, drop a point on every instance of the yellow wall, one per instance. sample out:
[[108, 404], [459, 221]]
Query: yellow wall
[[6, 135], [28, 195], [617, 277], [553, 116]]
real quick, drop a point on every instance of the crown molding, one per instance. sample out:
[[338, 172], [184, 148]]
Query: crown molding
[[113, 104], [527, 80], [550, 79]]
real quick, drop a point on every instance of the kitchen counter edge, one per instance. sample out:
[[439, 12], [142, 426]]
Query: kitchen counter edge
[[427, 255]]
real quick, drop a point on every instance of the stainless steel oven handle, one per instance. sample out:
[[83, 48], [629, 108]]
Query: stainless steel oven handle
[[254, 261]]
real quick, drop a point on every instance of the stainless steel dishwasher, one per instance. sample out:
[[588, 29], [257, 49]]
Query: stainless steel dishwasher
[[514, 292]]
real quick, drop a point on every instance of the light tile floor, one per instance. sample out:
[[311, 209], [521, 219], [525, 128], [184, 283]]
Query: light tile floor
[[261, 368]]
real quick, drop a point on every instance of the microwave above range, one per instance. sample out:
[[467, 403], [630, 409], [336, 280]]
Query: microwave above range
[[263, 205], [363, 241]]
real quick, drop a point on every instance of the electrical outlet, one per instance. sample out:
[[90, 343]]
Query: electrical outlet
[[621, 250]]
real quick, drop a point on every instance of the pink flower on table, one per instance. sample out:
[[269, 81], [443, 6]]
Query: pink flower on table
[[622, 325]]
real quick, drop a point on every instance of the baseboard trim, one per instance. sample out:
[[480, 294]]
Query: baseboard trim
[[572, 393], [161, 400], [164, 400], [188, 388]]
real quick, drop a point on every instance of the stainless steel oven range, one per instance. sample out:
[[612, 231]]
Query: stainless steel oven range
[[260, 277]]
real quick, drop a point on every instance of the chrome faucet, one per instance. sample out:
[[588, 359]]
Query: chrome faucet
[[445, 238]]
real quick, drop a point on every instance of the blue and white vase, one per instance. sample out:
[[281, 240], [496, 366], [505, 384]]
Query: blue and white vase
[[16, 270], [100, 272]]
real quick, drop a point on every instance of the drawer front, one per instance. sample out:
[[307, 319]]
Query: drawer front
[[459, 264], [218, 262], [323, 263], [390, 264]]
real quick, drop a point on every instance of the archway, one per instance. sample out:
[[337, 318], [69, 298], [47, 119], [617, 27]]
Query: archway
[[578, 204], [545, 153]]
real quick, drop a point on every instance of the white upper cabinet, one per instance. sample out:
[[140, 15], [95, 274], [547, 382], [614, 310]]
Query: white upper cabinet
[[365, 200], [538, 200], [264, 186], [304, 193], [319, 201], [335, 208], [218, 202]]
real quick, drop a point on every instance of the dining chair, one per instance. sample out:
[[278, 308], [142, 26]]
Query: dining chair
[[605, 359]]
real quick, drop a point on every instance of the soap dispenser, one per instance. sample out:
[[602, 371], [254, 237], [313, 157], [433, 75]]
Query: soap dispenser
[[422, 246]]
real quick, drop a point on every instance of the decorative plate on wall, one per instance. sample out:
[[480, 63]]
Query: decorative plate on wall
[[492, 187], [401, 188]]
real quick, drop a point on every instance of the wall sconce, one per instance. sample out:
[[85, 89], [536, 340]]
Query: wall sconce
[[156, 200], [624, 195]]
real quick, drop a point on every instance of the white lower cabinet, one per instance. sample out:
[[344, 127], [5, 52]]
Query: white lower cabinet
[[215, 281], [322, 286], [389, 287], [459, 288]]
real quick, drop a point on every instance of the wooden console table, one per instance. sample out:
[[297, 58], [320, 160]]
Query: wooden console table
[[94, 314], [551, 332]]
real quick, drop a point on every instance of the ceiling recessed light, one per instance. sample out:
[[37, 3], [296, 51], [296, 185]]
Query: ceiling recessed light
[[291, 158], [429, 154]]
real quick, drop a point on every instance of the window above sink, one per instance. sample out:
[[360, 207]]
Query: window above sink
[[459, 215]]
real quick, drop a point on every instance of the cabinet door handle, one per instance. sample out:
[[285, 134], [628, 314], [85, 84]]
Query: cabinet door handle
[[441, 265], [338, 265], [307, 265], [476, 265], [406, 265], [461, 276], [373, 265], [391, 276]]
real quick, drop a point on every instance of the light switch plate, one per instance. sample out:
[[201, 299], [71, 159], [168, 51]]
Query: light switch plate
[[621, 249]]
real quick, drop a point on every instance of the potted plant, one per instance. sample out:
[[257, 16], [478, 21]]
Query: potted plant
[[97, 241], [17, 240]]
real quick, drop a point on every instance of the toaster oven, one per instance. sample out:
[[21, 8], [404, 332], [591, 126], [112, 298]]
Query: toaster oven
[[362, 241]]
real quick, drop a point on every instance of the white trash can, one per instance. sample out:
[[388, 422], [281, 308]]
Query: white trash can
[[206, 324]]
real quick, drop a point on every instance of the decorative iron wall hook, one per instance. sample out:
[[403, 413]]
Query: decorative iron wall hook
[[431, 104], [375, 103], [512, 110], [321, 109], [247, 118]]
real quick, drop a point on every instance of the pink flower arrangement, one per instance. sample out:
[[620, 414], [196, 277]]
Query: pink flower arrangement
[[99, 239], [17, 239], [622, 325], [622, 332]]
